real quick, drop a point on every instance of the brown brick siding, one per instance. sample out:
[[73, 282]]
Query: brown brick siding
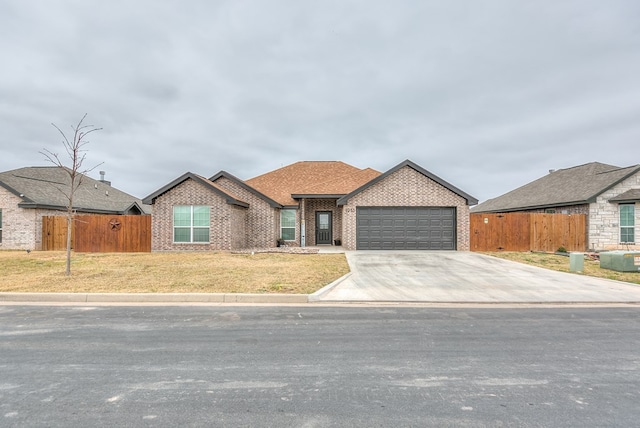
[[262, 223], [226, 219], [311, 206], [406, 187]]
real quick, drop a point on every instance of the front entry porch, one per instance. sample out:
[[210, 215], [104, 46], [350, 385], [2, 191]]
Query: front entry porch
[[321, 222]]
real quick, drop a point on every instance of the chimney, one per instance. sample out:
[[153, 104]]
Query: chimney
[[102, 180]]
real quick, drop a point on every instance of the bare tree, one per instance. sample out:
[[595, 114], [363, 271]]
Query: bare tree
[[76, 154]]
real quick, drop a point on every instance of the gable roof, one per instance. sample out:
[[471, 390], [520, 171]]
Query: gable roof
[[236, 180], [46, 187], [571, 186], [632, 195], [407, 163], [310, 178], [228, 196]]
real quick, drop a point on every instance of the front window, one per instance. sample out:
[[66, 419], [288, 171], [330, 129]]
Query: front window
[[288, 225], [191, 223], [627, 223]]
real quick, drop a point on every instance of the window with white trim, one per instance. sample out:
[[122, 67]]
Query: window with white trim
[[288, 225], [627, 223], [191, 224]]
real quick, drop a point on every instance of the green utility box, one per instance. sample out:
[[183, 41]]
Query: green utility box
[[621, 261], [576, 262]]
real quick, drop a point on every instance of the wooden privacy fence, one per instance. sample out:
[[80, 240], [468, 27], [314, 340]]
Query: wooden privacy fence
[[528, 232], [54, 233], [99, 233]]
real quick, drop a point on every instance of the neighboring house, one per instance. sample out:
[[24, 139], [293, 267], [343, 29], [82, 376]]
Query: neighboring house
[[28, 194], [312, 203], [609, 195]]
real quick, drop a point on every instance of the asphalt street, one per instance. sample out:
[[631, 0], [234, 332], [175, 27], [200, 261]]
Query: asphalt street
[[309, 366]]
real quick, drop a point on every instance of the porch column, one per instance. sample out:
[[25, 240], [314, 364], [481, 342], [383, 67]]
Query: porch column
[[303, 235]]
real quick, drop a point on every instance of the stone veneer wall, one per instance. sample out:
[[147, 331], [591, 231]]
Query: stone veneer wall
[[406, 187], [604, 219], [226, 219], [262, 222]]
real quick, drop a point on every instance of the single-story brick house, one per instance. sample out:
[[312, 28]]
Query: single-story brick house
[[609, 196], [312, 203], [27, 194]]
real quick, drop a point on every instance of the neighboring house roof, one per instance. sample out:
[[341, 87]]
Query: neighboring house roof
[[571, 186], [632, 195], [310, 178], [47, 187], [229, 197], [407, 163], [244, 185]]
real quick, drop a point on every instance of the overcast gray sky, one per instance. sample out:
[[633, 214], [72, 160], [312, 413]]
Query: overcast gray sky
[[488, 95]]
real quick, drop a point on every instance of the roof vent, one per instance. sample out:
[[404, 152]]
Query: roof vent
[[551, 171], [102, 180]]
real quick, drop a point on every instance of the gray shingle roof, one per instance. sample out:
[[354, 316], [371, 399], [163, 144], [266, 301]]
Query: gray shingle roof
[[570, 186], [47, 187], [632, 195]]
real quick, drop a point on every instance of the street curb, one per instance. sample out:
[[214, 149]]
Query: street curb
[[154, 298], [317, 296]]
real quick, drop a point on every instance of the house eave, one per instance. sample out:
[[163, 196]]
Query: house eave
[[531, 207], [242, 204], [76, 209], [316, 196], [624, 201]]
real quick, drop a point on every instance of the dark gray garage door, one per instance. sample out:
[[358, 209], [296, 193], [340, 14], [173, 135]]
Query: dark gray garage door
[[406, 228]]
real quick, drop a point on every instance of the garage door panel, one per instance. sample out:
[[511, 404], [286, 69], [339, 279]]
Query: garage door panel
[[405, 228]]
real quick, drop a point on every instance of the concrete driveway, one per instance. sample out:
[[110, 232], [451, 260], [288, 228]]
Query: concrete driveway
[[452, 277]]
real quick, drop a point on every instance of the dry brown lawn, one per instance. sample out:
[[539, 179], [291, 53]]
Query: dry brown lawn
[[43, 271], [561, 263]]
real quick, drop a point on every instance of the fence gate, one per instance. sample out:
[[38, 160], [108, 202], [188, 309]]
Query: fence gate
[[528, 232], [54, 233], [500, 232]]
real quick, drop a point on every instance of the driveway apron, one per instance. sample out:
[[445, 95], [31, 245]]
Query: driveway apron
[[465, 277]]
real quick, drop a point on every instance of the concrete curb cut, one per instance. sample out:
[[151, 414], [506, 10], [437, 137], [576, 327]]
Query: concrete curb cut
[[154, 298], [317, 296]]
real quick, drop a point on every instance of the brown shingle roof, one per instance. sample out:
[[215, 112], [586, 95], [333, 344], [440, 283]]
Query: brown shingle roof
[[570, 186], [311, 178]]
